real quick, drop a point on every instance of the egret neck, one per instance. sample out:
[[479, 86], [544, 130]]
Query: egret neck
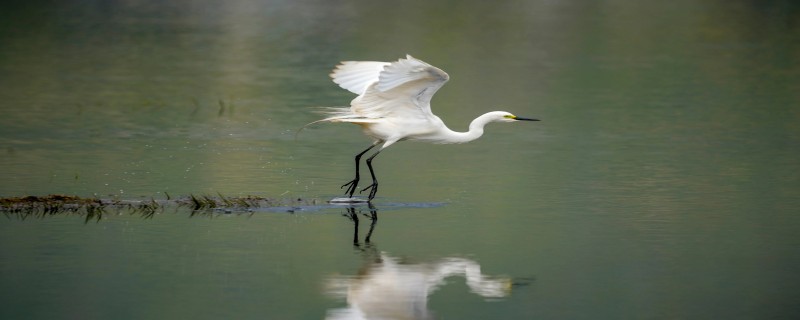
[[475, 128]]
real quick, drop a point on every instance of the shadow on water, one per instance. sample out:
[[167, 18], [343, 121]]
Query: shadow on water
[[387, 287]]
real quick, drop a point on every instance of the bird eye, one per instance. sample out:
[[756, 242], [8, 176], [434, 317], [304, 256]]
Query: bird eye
[[509, 116]]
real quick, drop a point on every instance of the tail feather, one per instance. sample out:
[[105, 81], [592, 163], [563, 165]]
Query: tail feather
[[336, 114]]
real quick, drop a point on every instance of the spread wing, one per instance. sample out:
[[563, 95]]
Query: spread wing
[[356, 76], [399, 89]]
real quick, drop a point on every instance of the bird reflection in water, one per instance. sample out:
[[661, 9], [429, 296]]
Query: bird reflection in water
[[388, 288], [353, 216]]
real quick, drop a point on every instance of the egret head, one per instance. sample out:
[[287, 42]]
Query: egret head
[[503, 116]]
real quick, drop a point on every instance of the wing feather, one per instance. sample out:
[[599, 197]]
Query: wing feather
[[401, 89], [408, 70], [404, 89], [356, 76]]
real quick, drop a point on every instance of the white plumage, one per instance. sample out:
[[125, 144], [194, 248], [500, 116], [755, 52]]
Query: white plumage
[[393, 104], [356, 76]]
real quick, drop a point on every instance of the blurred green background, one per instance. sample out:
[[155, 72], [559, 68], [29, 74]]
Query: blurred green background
[[662, 182]]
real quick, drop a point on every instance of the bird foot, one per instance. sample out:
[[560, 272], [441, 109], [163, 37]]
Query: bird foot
[[351, 187], [373, 190]]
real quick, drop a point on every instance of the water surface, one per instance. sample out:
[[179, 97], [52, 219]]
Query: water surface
[[662, 182]]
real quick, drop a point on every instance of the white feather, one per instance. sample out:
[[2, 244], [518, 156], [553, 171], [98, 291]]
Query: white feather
[[407, 70], [401, 89], [356, 76]]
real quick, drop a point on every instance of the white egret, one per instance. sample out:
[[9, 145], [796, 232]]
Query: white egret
[[393, 104]]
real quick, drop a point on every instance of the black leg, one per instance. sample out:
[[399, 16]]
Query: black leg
[[353, 216], [374, 185], [374, 216], [351, 186]]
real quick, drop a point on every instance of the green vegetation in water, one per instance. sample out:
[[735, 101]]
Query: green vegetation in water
[[94, 208]]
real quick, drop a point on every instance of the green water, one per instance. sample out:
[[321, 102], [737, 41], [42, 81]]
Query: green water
[[662, 183]]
